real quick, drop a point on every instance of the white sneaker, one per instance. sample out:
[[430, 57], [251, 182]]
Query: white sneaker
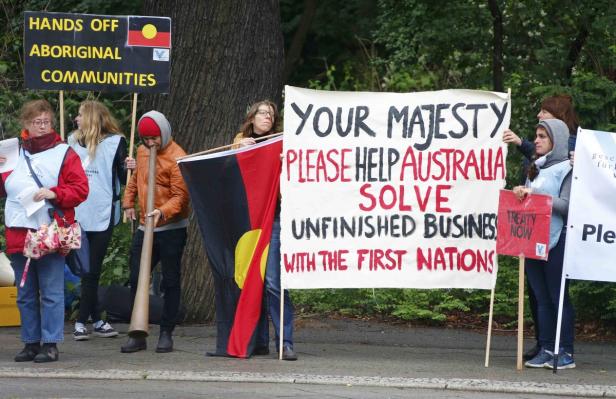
[[81, 332], [104, 330]]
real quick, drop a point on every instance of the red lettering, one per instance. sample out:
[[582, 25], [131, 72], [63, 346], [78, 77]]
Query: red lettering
[[422, 201], [423, 261], [361, 256], [364, 192], [344, 165], [309, 165], [440, 198], [291, 157], [388, 188], [450, 258], [335, 165]]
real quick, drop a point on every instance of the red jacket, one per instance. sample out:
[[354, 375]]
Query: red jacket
[[72, 189]]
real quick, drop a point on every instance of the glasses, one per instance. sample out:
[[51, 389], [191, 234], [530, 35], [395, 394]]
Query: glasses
[[39, 122], [262, 112]]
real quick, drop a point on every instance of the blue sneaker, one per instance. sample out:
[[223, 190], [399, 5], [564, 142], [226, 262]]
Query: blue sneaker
[[541, 360], [565, 361]]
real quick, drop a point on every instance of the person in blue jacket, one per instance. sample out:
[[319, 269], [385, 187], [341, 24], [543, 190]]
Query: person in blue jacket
[[550, 174], [561, 107]]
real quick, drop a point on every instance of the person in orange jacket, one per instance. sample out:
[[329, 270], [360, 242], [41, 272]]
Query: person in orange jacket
[[170, 216]]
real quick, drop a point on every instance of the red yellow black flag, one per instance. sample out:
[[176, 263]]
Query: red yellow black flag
[[149, 31], [234, 196]]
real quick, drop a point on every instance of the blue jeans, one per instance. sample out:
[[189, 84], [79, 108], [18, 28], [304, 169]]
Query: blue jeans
[[544, 278], [41, 300], [271, 296]]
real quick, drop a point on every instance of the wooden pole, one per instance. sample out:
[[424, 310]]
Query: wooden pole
[[489, 341], [132, 142], [520, 312], [62, 114], [224, 147], [281, 330]]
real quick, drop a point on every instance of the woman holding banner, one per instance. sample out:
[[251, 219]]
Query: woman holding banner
[[102, 150], [48, 176], [560, 107], [550, 174], [261, 121]]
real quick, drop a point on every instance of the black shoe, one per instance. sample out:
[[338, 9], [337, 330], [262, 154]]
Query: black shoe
[[288, 353], [48, 353], [165, 343], [28, 353], [532, 352], [261, 351], [134, 345]]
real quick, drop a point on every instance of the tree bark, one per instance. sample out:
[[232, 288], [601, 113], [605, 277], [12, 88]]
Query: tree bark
[[575, 50], [497, 46], [226, 55], [299, 38]]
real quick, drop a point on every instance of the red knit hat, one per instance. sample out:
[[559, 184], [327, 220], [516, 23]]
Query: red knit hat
[[148, 127]]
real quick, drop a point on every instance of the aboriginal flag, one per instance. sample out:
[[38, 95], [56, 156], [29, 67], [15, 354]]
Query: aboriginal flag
[[149, 31], [234, 195]]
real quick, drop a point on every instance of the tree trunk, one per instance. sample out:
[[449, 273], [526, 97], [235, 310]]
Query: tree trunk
[[226, 55], [497, 46], [299, 38], [575, 50]]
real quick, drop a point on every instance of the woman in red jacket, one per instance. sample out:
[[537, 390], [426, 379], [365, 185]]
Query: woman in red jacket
[[64, 186]]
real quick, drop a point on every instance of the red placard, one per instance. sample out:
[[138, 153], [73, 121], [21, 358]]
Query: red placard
[[523, 226]]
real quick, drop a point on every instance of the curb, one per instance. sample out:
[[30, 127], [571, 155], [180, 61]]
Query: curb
[[453, 384]]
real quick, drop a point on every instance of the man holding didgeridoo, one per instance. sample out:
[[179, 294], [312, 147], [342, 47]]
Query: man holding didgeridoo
[[170, 215]]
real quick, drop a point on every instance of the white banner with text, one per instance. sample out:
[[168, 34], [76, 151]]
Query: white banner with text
[[391, 190], [591, 227]]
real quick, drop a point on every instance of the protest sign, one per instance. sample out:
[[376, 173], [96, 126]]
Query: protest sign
[[391, 189], [524, 226], [591, 226], [97, 52]]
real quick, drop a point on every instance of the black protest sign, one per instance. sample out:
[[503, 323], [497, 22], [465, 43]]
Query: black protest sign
[[97, 52]]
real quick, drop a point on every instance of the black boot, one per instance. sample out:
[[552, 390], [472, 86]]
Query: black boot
[[134, 345], [165, 343], [48, 353], [28, 353]]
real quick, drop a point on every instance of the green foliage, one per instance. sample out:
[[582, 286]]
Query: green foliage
[[115, 265]]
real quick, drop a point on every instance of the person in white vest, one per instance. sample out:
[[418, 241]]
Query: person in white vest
[[62, 184], [102, 149], [550, 174]]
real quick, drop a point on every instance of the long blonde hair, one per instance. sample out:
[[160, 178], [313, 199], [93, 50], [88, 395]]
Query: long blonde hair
[[96, 123]]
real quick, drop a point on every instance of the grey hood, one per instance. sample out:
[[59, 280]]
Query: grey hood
[[163, 125], [559, 134]]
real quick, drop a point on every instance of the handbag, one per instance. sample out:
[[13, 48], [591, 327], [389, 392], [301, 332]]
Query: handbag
[[49, 238], [78, 260]]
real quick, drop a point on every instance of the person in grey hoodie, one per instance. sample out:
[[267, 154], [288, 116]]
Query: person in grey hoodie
[[170, 218], [550, 174]]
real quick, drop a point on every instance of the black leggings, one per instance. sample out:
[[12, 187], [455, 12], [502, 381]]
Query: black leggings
[[88, 307], [167, 248]]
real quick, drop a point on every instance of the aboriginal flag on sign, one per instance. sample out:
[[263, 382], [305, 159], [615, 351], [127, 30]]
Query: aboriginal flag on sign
[[149, 31], [234, 195]]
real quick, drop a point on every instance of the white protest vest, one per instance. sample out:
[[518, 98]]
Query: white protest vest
[[94, 214], [548, 182], [46, 165]]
